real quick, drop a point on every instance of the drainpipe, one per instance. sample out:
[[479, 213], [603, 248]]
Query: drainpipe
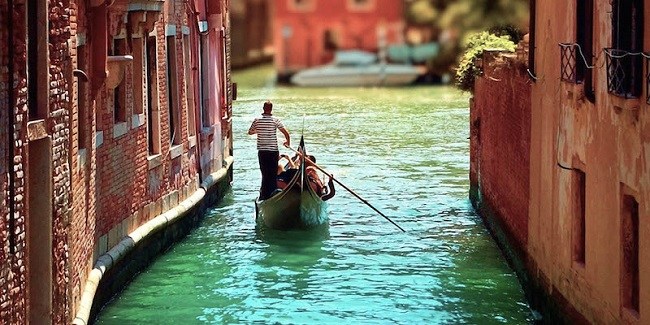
[[10, 130]]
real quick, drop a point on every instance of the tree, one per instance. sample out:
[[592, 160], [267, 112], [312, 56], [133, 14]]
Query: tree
[[455, 19]]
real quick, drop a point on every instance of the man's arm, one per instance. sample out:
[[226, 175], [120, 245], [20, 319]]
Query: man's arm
[[331, 191], [284, 131], [253, 129]]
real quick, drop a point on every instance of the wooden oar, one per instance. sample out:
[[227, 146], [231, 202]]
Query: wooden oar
[[348, 189]]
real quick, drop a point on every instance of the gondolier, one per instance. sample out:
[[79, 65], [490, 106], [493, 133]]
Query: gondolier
[[297, 205], [266, 127]]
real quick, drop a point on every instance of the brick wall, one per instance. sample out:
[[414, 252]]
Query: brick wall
[[59, 122], [13, 259], [97, 189], [500, 141], [5, 89], [82, 219], [128, 183], [12, 297]]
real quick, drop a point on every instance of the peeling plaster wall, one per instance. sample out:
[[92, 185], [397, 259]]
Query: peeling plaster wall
[[608, 141]]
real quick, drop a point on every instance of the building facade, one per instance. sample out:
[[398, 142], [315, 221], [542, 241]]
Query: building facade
[[585, 240], [308, 32], [590, 180], [112, 114], [252, 37]]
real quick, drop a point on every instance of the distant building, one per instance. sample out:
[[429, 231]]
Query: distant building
[[579, 140], [307, 32], [112, 113], [252, 37]]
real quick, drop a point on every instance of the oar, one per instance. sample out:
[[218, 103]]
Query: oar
[[348, 189]]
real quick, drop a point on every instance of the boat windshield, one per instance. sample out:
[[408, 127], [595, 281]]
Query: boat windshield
[[353, 58]]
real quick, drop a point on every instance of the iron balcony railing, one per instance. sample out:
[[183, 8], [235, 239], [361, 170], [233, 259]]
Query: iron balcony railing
[[568, 63], [625, 72], [573, 63]]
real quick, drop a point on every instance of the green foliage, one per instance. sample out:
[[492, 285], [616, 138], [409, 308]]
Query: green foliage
[[475, 44], [422, 12], [515, 34], [455, 19], [477, 15]]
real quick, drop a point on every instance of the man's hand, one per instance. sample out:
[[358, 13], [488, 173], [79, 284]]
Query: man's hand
[[287, 144]]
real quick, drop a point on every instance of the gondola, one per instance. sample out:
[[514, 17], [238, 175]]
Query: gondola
[[297, 206]]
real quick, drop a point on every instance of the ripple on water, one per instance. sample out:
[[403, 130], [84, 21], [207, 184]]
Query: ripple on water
[[405, 151]]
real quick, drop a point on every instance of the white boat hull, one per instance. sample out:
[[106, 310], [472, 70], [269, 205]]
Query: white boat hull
[[357, 76]]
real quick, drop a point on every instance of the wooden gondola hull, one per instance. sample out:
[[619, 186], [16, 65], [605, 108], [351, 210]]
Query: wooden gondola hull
[[296, 207], [292, 209]]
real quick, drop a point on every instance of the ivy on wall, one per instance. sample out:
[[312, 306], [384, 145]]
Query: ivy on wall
[[476, 43]]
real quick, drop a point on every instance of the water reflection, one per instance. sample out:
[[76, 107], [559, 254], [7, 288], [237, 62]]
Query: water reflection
[[291, 259], [403, 150]]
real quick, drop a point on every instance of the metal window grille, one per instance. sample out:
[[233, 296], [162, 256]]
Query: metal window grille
[[624, 71], [568, 55]]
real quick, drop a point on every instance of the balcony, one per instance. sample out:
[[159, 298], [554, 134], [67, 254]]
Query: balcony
[[568, 63], [624, 72], [573, 63]]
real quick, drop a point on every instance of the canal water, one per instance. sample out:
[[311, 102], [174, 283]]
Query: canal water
[[404, 150]]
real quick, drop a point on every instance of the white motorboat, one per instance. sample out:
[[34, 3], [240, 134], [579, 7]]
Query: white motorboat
[[357, 68]]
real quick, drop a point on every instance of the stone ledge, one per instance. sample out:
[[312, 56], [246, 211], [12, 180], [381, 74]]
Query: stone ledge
[[117, 267], [120, 129]]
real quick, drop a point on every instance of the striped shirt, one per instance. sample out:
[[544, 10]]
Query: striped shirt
[[266, 128]]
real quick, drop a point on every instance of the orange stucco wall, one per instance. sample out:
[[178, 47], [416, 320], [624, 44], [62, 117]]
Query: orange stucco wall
[[609, 142]]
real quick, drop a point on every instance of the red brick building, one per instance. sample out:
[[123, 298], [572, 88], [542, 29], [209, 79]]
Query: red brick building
[[112, 114], [252, 36], [307, 32]]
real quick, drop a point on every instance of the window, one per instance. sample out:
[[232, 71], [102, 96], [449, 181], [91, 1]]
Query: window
[[189, 86], [624, 62], [361, 5], [153, 113], [584, 38], [331, 40], [578, 187], [119, 93], [172, 92], [630, 253], [204, 89], [82, 91], [301, 5], [139, 67]]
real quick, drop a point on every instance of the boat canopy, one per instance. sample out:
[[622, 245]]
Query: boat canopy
[[413, 54], [354, 57]]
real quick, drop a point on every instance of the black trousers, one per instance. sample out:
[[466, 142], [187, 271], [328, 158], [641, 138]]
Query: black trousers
[[269, 168]]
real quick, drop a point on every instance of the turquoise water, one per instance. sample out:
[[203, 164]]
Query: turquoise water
[[404, 150]]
